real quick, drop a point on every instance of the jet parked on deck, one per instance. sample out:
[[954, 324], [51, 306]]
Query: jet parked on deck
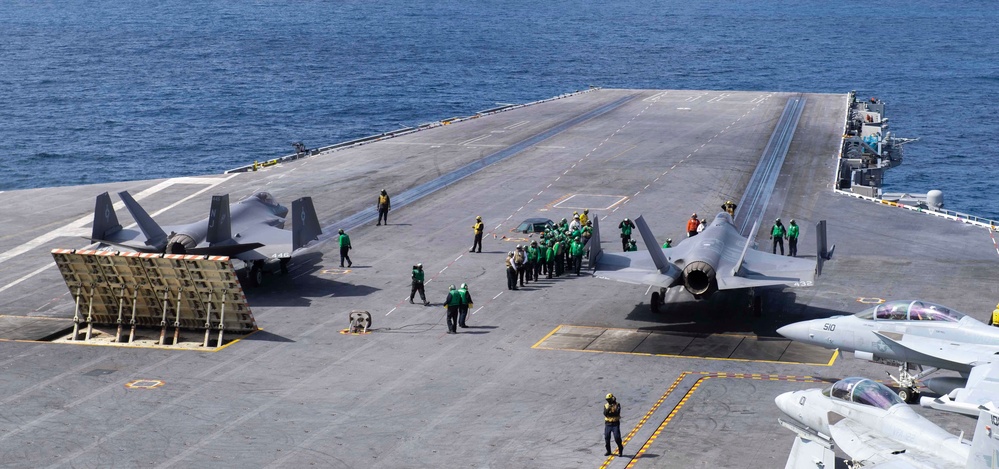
[[917, 333], [872, 425], [251, 230]]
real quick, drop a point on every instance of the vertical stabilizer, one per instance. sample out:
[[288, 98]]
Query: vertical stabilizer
[[219, 224], [155, 236], [658, 256], [305, 224], [985, 443], [105, 220], [594, 243]]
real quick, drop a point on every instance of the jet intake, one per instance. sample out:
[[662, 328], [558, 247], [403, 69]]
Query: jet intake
[[699, 278]]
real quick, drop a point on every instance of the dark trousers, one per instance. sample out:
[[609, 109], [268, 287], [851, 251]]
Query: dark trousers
[[537, 270], [382, 213], [615, 429], [691, 234], [559, 264], [521, 273], [477, 243], [550, 267], [417, 287], [625, 239], [452, 318], [792, 246], [343, 255], [529, 271], [577, 263], [462, 314], [511, 278], [778, 241]]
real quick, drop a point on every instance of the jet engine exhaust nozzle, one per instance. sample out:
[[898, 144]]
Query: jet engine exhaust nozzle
[[699, 278]]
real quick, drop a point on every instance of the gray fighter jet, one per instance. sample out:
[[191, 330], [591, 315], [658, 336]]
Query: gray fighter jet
[[251, 230], [877, 430], [719, 258], [907, 333]]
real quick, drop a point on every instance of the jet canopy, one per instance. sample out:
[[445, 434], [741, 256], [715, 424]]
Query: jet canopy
[[863, 391], [902, 310]]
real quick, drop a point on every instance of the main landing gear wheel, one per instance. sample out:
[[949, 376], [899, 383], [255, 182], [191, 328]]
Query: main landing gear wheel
[[657, 301], [909, 395], [256, 276]]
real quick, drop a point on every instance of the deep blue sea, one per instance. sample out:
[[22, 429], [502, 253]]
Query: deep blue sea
[[95, 91]]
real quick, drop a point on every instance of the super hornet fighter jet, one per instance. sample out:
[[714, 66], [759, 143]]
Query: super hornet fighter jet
[[919, 333], [251, 230], [718, 258], [877, 430]]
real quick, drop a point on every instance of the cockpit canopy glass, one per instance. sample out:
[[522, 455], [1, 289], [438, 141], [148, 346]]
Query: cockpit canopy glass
[[266, 198], [902, 310], [863, 391]]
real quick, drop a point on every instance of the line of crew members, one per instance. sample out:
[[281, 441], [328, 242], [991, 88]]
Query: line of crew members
[[559, 251]]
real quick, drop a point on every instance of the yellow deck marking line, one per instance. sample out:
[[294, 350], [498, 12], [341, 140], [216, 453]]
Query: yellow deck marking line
[[686, 397], [647, 415], [124, 345]]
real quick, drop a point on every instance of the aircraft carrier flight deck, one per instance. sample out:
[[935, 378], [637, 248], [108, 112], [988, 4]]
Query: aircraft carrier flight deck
[[523, 385]]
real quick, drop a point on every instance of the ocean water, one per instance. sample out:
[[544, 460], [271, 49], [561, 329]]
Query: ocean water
[[97, 91]]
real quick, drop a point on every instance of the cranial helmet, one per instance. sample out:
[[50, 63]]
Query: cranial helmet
[[341, 231], [777, 220], [610, 397], [419, 266], [693, 215], [478, 217], [586, 210], [792, 221], [669, 240], [451, 287], [464, 285]]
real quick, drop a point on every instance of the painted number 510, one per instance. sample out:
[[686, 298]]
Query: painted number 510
[[829, 327]]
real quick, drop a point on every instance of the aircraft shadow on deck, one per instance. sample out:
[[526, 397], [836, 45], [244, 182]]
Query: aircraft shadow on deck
[[297, 288], [732, 312]]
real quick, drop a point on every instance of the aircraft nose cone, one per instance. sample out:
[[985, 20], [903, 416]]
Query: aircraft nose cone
[[796, 331], [785, 402]]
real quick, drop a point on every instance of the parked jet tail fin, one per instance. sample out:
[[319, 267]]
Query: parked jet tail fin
[[984, 444], [105, 220], [745, 249], [305, 224], [155, 236], [651, 244], [219, 225], [594, 243]]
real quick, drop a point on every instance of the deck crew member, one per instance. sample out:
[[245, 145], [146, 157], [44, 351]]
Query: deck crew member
[[777, 233], [418, 285], [729, 207], [792, 239], [626, 226], [702, 226], [384, 204], [995, 317], [576, 249], [344, 242], [520, 259], [466, 302], [692, 225], [631, 246], [576, 223], [585, 216], [550, 257], [612, 424], [477, 228], [537, 255], [531, 254], [511, 272], [668, 244], [452, 302]]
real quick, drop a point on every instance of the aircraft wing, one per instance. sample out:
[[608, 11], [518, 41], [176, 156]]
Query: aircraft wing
[[635, 267], [269, 241], [945, 354], [809, 454], [874, 449], [741, 266], [981, 389]]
